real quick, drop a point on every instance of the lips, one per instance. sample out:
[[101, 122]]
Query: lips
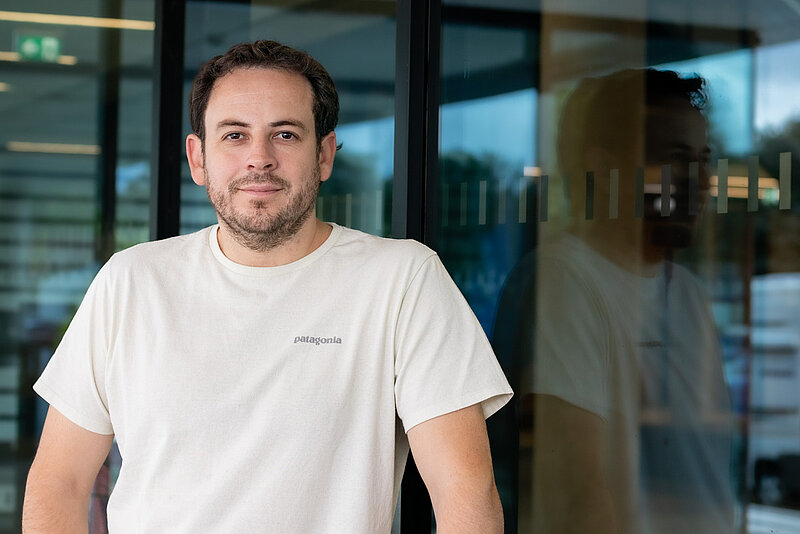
[[258, 185], [260, 191], [260, 188]]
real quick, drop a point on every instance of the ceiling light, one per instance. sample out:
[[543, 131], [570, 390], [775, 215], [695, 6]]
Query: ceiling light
[[4, 87], [67, 60], [531, 171], [53, 148], [14, 56], [71, 20]]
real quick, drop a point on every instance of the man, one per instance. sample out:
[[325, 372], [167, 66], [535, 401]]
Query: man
[[269, 373], [619, 364]]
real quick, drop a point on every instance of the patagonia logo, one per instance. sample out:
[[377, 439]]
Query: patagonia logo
[[318, 340]]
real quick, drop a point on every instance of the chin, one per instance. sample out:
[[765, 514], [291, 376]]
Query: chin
[[672, 235]]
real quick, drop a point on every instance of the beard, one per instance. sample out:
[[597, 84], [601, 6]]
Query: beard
[[260, 228]]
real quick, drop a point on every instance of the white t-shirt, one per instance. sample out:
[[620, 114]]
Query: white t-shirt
[[274, 399], [642, 353]]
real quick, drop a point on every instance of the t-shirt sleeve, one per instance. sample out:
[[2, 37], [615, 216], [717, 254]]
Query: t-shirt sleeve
[[443, 361], [568, 345], [73, 382]]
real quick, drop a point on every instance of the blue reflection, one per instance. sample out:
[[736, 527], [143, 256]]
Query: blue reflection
[[502, 125]]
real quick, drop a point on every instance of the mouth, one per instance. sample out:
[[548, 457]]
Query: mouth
[[260, 191]]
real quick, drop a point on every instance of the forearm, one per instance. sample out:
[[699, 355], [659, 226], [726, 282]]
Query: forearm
[[570, 478], [52, 508], [570, 495], [564, 511], [470, 512]]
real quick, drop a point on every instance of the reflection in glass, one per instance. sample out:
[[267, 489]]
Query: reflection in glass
[[641, 290], [619, 351], [75, 106]]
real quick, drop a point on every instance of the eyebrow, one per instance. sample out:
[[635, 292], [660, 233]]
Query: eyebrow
[[240, 124], [289, 122], [229, 122], [683, 146]]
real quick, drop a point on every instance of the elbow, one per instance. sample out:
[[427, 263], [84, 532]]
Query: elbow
[[53, 504], [470, 509]]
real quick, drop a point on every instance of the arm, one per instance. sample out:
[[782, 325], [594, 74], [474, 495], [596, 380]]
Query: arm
[[62, 476], [452, 455], [571, 493]]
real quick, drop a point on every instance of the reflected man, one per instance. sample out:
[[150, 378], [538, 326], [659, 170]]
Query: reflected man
[[618, 347]]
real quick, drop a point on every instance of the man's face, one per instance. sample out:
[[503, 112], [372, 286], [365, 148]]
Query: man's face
[[677, 136], [260, 162]]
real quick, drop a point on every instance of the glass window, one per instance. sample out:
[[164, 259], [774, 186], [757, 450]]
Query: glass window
[[619, 206], [74, 183]]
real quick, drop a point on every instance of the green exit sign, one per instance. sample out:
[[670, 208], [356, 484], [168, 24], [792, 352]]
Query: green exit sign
[[38, 48]]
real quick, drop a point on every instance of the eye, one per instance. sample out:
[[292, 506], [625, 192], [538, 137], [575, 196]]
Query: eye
[[286, 136], [234, 136]]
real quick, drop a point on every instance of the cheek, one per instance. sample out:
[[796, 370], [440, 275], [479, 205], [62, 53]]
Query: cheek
[[220, 166]]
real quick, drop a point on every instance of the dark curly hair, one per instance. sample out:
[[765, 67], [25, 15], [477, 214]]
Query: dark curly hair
[[268, 55], [609, 111]]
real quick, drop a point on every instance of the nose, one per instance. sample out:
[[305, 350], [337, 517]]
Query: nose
[[261, 155]]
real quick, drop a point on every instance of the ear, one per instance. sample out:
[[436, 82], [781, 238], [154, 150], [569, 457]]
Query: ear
[[194, 154], [327, 152]]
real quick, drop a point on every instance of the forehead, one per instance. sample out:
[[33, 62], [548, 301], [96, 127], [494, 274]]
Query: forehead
[[261, 90], [678, 122]]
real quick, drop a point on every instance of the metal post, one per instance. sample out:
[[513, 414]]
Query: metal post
[[165, 168], [415, 186]]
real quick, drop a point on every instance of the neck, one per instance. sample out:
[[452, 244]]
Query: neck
[[309, 238]]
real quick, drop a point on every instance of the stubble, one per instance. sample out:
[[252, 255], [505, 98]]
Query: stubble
[[263, 228]]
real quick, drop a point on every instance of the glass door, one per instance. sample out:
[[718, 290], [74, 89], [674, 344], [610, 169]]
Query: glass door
[[618, 201]]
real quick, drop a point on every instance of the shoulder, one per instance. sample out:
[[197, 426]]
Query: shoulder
[[388, 252], [683, 276], [161, 254], [565, 263], [570, 252], [563, 281]]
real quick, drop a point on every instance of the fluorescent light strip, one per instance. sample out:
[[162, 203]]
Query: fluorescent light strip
[[71, 20], [743, 181], [531, 171], [53, 148], [14, 56], [741, 192]]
